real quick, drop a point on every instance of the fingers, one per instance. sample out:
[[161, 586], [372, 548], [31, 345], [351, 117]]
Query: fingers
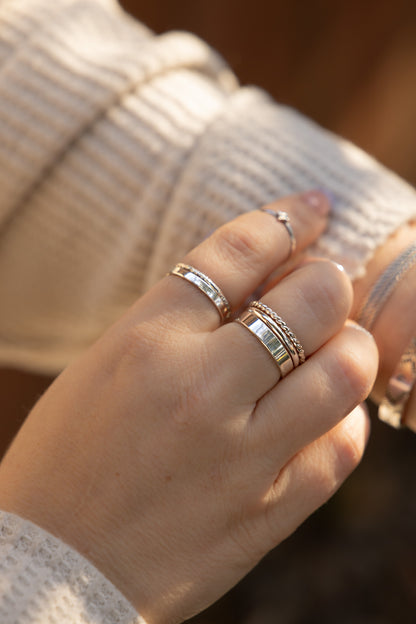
[[332, 382], [313, 475], [313, 300], [240, 255]]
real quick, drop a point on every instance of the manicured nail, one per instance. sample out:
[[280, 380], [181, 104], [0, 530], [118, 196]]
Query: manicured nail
[[317, 200], [331, 197]]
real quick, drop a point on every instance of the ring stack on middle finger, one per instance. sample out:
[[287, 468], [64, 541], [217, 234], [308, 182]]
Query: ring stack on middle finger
[[275, 335]]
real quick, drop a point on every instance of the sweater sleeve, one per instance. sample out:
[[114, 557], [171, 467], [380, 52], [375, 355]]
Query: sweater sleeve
[[44, 581], [121, 150]]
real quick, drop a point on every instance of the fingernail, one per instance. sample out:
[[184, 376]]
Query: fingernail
[[360, 328], [328, 194], [340, 267], [318, 200]]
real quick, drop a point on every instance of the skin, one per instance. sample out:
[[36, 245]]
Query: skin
[[395, 326], [169, 454]]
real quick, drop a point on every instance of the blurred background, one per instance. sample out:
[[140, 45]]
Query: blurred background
[[348, 64], [351, 66]]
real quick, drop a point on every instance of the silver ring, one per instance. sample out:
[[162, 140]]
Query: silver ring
[[283, 326], [205, 285], [283, 218], [251, 319]]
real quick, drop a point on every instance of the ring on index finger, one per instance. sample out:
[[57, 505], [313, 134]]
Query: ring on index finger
[[205, 285]]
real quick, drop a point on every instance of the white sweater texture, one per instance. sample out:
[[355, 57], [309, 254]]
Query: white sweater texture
[[120, 151], [43, 581]]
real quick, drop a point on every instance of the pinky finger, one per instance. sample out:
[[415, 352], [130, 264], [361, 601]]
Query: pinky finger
[[315, 474]]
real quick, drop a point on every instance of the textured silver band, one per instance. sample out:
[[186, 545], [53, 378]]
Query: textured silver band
[[205, 285], [283, 218], [385, 286]]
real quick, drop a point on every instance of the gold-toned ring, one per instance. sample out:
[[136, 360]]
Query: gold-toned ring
[[276, 329], [259, 305], [252, 320], [275, 335], [205, 285]]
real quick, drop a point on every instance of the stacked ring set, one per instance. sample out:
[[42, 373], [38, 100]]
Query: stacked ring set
[[267, 326], [283, 346]]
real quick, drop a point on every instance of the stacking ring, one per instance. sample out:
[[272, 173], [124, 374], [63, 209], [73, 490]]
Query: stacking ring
[[275, 335], [283, 218], [283, 326], [205, 285]]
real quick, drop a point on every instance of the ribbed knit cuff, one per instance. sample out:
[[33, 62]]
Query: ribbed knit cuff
[[65, 65], [122, 150], [257, 151], [98, 118], [44, 581]]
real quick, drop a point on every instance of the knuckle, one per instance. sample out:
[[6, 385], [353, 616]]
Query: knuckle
[[348, 452], [172, 372], [187, 406], [237, 244], [142, 343], [343, 454], [329, 290], [354, 375]]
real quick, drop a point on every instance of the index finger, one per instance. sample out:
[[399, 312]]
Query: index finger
[[241, 254]]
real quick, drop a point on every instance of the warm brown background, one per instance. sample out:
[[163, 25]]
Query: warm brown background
[[351, 65]]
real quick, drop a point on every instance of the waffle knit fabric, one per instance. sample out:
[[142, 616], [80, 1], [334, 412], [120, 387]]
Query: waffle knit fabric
[[121, 150], [43, 581]]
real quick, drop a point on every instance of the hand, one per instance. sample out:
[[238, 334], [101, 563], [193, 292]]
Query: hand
[[168, 454], [395, 325]]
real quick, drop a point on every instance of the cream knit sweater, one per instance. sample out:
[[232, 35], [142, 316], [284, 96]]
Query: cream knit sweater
[[119, 152]]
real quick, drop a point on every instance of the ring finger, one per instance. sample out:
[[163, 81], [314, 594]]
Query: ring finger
[[314, 301]]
